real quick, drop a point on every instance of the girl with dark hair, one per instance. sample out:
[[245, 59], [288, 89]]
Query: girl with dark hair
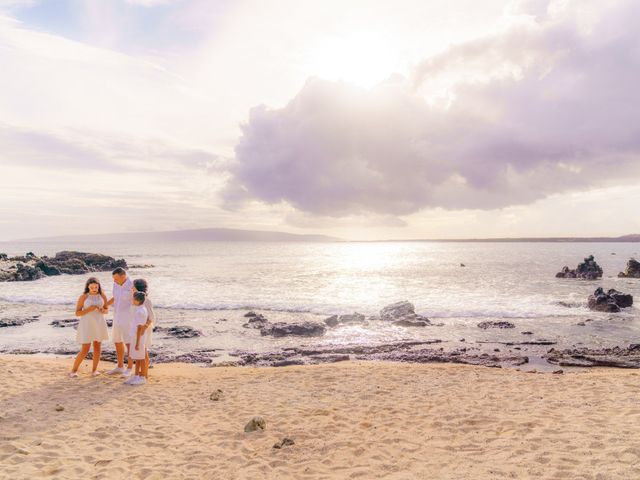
[[92, 327], [140, 285]]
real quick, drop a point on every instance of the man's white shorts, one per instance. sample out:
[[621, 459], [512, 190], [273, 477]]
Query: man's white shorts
[[120, 333]]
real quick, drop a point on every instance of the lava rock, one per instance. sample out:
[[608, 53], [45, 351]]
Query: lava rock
[[588, 270], [351, 318], [632, 270], [256, 320], [66, 322], [179, 331], [17, 322], [396, 311], [403, 314], [611, 301], [300, 329], [31, 267], [620, 357], [499, 324]]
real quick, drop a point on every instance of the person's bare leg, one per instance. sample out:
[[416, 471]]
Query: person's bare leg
[[129, 361], [145, 370], [120, 354], [97, 350], [80, 357]]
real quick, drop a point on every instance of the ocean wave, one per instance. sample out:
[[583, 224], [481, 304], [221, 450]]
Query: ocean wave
[[35, 301], [435, 313]]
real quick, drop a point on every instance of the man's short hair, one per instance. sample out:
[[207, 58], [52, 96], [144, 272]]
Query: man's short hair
[[139, 297], [140, 284], [119, 271]]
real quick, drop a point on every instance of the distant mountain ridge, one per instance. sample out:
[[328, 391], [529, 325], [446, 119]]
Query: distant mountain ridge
[[635, 237], [196, 235]]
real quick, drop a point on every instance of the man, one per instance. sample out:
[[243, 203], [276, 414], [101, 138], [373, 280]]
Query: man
[[122, 311]]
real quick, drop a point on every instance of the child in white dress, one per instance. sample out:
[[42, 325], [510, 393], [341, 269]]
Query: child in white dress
[[138, 339]]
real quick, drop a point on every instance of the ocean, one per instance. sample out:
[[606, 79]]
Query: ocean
[[211, 285]]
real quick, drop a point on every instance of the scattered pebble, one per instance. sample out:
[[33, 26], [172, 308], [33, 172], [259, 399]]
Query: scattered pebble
[[216, 395], [285, 442], [59, 408]]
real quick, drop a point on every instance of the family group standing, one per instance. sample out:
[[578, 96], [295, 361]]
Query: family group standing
[[133, 319]]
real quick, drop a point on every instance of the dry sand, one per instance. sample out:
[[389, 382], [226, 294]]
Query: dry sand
[[348, 420]]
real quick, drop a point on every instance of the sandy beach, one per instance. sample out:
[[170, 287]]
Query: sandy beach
[[348, 420]]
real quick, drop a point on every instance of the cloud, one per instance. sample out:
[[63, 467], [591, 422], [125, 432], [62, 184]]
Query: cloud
[[547, 106]]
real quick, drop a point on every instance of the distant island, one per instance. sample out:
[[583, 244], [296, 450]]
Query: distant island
[[197, 235]]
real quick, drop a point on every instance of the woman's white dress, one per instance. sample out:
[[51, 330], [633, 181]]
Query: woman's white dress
[[92, 327]]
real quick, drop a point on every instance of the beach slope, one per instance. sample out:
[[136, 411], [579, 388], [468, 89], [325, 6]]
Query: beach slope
[[348, 420]]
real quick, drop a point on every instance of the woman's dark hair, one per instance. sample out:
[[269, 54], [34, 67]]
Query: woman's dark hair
[[91, 280], [140, 284], [118, 271], [139, 297]]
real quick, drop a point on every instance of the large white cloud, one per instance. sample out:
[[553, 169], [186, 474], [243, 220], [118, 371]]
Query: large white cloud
[[549, 105]]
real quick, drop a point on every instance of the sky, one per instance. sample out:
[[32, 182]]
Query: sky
[[364, 120]]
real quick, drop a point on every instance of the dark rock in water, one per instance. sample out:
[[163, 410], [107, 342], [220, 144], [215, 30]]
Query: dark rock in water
[[256, 321], [632, 270], [397, 310], [179, 331], [331, 321], [30, 267], [4, 256], [406, 322], [302, 329], [285, 442], [23, 272], [526, 333], [500, 324], [588, 270], [250, 314], [403, 314], [17, 322], [352, 318], [611, 301], [66, 322], [256, 423], [620, 357]]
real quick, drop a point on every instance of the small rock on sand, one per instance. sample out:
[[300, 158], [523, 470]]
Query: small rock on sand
[[285, 442], [256, 423], [216, 395]]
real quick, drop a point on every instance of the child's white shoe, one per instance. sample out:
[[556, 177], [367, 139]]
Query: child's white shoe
[[127, 372], [137, 380], [115, 371], [130, 380]]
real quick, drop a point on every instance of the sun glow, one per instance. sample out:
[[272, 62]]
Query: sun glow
[[360, 58]]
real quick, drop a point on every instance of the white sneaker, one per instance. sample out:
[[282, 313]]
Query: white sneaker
[[130, 380], [73, 374], [127, 372], [137, 380], [115, 371]]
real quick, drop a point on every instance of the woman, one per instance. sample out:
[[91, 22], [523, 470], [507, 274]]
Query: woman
[[92, 327]]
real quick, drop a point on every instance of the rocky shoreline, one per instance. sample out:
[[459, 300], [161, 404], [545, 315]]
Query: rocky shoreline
[[31, 267], [504, 347]]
